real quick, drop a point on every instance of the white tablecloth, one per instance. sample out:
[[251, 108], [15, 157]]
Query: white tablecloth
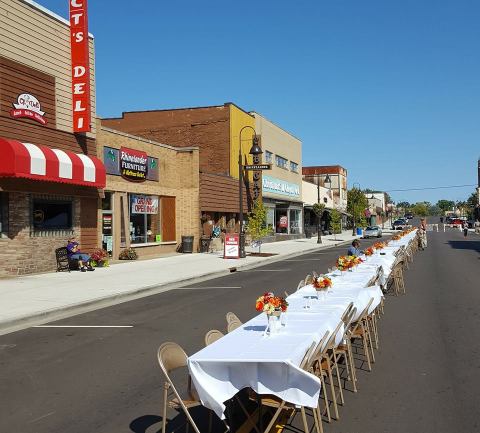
[[270, 364]]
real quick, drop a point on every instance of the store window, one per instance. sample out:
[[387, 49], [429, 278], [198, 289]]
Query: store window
[[52, 214], [144, 219], [107, 204], [295, 221], [281, 162], [293, 167], [3, 214], [271, 219], [268, 157]]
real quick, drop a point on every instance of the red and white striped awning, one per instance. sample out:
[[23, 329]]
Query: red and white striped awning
[[32, 161]]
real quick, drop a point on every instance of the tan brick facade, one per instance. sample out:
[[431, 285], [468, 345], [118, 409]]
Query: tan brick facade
[[178, 178]]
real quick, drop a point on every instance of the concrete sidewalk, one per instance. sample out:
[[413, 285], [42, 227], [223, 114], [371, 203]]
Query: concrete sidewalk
[[36, 299]]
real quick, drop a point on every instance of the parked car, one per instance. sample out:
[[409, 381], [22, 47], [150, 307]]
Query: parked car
[[399, 224], [457, 222], [409, 216], [372, 232]]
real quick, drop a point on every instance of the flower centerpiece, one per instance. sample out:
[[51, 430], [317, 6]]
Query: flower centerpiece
[[99, 258], [273, 306], [344, 263], [355, 260], [322, 282], [396, 237], [369, 251], [379, 245]]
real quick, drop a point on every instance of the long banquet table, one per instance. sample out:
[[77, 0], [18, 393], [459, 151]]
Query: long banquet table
[[269, 364]]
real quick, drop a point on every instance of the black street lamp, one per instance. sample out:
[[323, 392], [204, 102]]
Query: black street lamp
[[354, 231], [255, 150]]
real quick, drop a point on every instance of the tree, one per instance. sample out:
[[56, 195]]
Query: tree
[[404, 205], [445, 205], [472, 200], [356, 205], [420, 209], [256, 225], [336, 222]]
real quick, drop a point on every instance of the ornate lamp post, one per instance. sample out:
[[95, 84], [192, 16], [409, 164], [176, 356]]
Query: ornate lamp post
[[256, 151], [354, 231]]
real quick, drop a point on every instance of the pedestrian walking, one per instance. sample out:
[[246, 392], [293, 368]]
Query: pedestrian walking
[[465, 229], [422, 234]]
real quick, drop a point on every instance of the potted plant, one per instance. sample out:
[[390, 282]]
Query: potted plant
[[99, 258], [128, 254]]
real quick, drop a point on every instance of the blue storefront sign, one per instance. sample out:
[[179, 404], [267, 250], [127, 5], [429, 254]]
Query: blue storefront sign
[[281, 187]]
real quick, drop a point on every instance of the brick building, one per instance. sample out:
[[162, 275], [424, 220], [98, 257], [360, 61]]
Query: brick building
[[215, 130], [154, 204], [50, 178]]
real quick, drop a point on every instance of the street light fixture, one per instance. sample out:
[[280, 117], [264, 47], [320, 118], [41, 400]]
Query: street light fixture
[[255, 150], [354, 232]]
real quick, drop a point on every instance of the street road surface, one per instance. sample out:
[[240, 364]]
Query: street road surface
[[107, 380]]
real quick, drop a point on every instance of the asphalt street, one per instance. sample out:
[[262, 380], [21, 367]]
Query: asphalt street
[[105, 380]]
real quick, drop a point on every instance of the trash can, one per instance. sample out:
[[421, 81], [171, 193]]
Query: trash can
[[204, 244], [308, 233], [359, 231], [187, 244]]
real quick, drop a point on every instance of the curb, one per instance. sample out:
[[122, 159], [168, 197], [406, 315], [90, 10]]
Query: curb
[[47, 316]]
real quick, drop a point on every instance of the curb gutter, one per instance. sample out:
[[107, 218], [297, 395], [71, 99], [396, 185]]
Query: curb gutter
[[55, 314]]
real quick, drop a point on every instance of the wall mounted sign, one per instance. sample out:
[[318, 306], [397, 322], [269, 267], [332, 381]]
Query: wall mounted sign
[[231, 246], [111, 161], [80, 65], [278, 186], [29, 107], [133, 164], [144, 204]]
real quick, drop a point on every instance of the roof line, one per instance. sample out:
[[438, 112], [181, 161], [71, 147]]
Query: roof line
[[274, 124], [50, 14]]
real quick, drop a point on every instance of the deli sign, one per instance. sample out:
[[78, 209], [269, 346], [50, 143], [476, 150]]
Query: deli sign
[[29, 107], [133, 164], [80, 65]]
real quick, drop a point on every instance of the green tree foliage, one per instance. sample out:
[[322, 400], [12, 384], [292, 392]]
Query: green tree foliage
[[420, 209], [256, 225], [356, 205], [472, 200], [318, 209], [404, 205], [445, 205], [336, 222]]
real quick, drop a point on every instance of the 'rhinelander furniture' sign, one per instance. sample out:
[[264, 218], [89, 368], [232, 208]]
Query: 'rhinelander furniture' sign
[[132, 165]]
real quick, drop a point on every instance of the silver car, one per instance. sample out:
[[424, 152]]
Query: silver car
[[372, 232]]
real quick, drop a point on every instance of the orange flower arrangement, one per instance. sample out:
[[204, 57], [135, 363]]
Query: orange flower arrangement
[[396, 237], [322, 282], [269, 303], [379, 245], [356, 260], [344, 263], [369, 251]]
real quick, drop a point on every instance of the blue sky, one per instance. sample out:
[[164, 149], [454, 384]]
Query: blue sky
[[390, 90]]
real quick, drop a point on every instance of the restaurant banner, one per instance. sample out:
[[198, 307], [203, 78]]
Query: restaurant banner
[[144, 204], [80, 65], [133, 164]]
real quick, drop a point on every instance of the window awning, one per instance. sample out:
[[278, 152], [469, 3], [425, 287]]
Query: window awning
[[32, 161]]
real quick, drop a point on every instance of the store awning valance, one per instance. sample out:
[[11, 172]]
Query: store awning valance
[[32, 161]]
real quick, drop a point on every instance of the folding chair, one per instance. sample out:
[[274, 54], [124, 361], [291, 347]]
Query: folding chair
[[360, 330], [171, 357], [345, 348], [234, 324], [280, 405], [231, 316], [301, 284], [212, 336], [308, 279]]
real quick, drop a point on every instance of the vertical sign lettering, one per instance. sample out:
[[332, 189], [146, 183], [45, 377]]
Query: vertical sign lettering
[[80, 65]]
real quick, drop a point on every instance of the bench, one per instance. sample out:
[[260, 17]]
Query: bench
[[63, 262]]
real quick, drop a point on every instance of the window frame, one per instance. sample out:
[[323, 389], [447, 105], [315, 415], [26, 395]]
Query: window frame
[[145, 221], [281, 158], [292, 165], [268, 157], [67, 201]]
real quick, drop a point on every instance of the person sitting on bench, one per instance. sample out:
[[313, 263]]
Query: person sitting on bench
[[74, 253]]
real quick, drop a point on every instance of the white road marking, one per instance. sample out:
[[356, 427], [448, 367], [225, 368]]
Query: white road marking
[[83, 326], [209, 287], [41, 417]]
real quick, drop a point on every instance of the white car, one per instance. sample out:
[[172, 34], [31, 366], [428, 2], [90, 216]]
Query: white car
[[372, 232]]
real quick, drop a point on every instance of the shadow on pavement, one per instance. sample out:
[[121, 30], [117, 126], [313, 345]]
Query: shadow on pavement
[[465, 245]]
